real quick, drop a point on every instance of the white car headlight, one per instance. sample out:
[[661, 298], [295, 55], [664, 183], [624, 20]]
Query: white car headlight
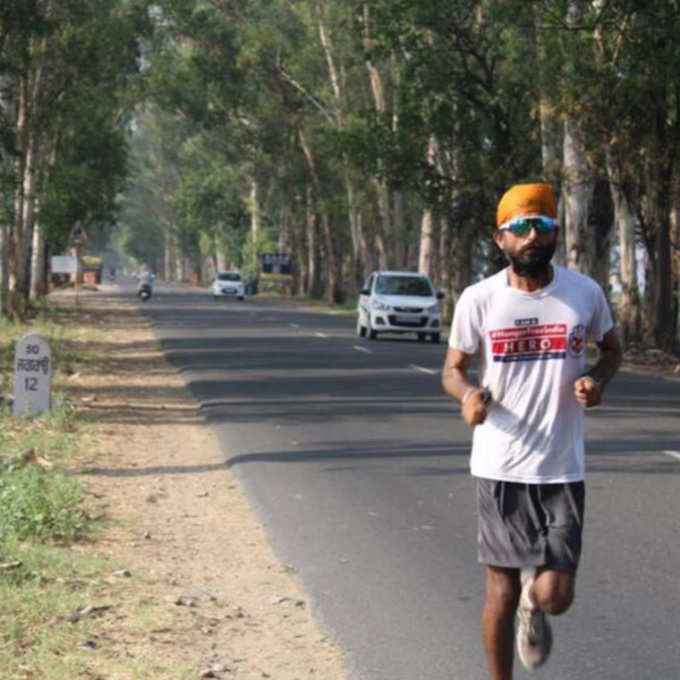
[[381, 306], [434, 309]]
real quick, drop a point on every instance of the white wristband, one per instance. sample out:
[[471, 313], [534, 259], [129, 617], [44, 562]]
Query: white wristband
[[466, 394]]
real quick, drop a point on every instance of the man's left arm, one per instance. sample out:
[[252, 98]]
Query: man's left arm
[[589, 387]]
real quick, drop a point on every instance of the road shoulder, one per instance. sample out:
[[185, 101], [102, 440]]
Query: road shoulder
[[216, 598]]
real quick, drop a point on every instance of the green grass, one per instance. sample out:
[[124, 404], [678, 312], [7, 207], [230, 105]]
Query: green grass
[[349, 305], [42, 512], [39, 503], [37, 640], [45, 528], [67, 343]]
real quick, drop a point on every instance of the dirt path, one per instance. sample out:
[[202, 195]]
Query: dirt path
[[215, 598]]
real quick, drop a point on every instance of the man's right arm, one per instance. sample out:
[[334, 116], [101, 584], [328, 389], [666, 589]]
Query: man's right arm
[[457, 386]]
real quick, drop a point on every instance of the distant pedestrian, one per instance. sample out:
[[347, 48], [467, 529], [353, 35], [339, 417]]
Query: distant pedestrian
[[528, 325]]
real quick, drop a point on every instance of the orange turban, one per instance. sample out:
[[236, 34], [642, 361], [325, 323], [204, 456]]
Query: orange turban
[[526, 199]]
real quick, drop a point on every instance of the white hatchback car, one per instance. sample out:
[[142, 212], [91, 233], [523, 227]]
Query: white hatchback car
[[228, 284], [399, 302]]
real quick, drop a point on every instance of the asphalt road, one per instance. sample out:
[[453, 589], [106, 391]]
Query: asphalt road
[[358, 467]]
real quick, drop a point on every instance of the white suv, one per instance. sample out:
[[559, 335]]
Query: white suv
[[399, 302]]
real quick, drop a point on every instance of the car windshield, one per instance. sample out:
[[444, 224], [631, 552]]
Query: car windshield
[[228, 276], [403, 285]]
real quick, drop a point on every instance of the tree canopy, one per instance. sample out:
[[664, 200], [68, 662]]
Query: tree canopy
[[354, 135]]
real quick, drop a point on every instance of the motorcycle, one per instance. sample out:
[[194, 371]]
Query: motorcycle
[[144, 291]]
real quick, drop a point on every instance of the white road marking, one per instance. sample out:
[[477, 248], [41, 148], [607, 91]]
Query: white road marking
[[672, 454], [320, 335], [294, 325], [359, 348], [422, 369]]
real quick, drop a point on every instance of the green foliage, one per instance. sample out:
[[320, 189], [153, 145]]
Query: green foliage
[[36, 502], [264, 243], [242, 82], [85, 181], [79, 63], [39, 503]]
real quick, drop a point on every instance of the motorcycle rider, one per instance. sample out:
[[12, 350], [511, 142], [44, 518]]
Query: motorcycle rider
[[145, 278]]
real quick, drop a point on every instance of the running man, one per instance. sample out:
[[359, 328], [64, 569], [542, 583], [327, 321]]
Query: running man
[[528, 325]]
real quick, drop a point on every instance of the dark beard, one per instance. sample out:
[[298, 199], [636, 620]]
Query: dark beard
[[534, 264]]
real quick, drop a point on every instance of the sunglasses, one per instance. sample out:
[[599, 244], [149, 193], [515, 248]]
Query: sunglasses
[[523, 225]]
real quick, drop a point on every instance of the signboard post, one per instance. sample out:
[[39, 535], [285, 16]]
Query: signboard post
[[276, 263], [32, 376], [276, 269], [63, 264]]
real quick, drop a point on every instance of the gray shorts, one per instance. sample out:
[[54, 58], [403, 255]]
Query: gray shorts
[[530, 525]]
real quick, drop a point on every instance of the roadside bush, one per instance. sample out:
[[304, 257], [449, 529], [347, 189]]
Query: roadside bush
[[39, 503]]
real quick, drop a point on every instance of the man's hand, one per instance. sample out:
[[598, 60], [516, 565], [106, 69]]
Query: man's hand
[[473, 408], [587, 391], [473, 400]]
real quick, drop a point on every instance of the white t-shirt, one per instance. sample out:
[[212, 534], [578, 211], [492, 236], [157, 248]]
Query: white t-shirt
[[531, 349]]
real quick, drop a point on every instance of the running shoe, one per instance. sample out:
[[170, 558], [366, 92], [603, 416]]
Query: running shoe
[[533, 633]]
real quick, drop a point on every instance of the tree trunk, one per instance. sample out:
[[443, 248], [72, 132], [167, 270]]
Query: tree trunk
[[312, 246], [179, 259], [33, 160], [577, 193], [366, 254], [331, 263], [548, 116], [551, 161], [28, 208], [455, 238], [675, 272], [577, 187], [426, 243], [300, 271], [7, 96], [663, 302], [17, 235], [168, 274], [38, 287], [624, 220], [461, 265], [359, 261], [221, 258], [444, 281], [655, 212], [426, 249], [384, 229], [337, 86], [4, 269], [254, 219], [332, 293], [384, 235], [381, 249]]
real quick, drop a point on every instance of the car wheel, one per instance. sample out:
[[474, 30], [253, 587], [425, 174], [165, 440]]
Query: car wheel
[[361, 330], [215, 298], [435, 338], [421, 337], [240, 297], [372, 334]]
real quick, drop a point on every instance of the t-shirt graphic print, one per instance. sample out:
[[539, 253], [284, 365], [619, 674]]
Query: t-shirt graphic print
[[529, 343]]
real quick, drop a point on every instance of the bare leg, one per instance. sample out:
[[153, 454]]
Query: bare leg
[[502, 595], [553, 591]]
